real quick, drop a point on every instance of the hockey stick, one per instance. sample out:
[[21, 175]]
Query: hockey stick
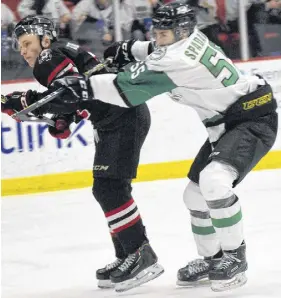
[[98, 68], [24, 115], [30, 117]]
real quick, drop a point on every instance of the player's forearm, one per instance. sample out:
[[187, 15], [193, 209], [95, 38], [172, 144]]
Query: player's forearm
[[141, 49], [104, 90], [131, 87]]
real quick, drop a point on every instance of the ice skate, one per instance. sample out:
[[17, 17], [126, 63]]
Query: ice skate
[[229, 273], [195, 273], [103, 274], [138, 268]]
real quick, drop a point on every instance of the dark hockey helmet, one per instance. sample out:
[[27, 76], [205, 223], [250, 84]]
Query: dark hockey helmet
[[178, 16], [37, 25]]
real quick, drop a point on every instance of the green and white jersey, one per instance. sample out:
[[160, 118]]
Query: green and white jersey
[[194, 72]]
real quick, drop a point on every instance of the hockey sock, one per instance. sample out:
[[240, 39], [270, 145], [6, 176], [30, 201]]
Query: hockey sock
[[227, 221], [121, 212]]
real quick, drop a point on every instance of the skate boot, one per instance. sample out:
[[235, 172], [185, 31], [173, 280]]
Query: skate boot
[[138, 268], [229, 273], [103, 274], [195, 273]]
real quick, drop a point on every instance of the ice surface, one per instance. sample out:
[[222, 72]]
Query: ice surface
[[52, 243]]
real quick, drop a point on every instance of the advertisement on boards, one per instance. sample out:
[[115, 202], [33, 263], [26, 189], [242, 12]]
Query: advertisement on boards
[[28, 149]]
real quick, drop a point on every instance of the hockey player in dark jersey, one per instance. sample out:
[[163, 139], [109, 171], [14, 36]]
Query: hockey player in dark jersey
[[121, 133]]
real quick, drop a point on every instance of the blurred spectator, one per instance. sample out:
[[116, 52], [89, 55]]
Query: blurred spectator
[[253, 7], [97, 18], [7, 25], [11, 63], [98, 12], [71, 2], [219, 20], [266, 13], [92, 22], [274, 11], [207, 20], [8, 18], [54, 9], [266, 19], [138, 16]]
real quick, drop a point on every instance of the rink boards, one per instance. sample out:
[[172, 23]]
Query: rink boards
[[32, 161]]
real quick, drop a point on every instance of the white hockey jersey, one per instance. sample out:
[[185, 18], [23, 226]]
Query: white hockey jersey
[[194, 72]]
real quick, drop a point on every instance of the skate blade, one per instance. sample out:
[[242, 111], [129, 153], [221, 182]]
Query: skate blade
[[205, 282], [223, 285], [106, 284], [144, 276]]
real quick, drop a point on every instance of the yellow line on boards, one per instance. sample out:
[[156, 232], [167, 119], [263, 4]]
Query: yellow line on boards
[[81, 179]]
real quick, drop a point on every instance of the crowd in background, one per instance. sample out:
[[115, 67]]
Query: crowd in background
[[91, 22]]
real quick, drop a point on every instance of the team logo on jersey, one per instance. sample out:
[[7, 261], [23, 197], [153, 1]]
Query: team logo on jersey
[[158, 53], [46, 55]]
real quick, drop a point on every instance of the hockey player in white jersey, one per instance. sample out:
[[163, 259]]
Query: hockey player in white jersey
[[239, 113]]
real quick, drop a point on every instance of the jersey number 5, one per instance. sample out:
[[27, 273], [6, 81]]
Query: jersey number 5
[[215, 69]]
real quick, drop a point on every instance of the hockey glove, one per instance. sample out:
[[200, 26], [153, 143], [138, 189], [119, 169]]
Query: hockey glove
[[77, 89], [61, 129], [17, 101], [121, 53]]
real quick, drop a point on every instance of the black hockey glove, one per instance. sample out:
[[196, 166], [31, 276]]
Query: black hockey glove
[[17, 101], [77, 89], [121, 53]]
